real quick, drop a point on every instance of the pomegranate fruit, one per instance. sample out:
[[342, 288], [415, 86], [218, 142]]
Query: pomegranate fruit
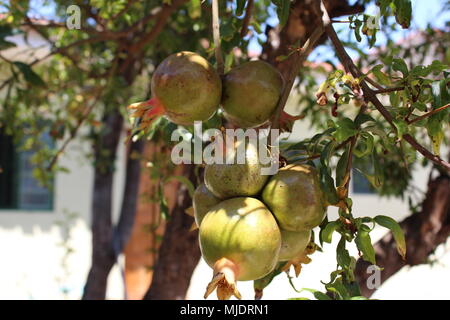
[[233, 180], [202, 201], [239, 239], [293, 244], [250, 93], [185, 88], [295, 198]]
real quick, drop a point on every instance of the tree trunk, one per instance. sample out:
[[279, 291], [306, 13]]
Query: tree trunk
[[424, 232], [102, 251], [142, 248], [179, 252], [124, 227]]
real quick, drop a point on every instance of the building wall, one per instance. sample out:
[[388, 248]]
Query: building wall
[[33, 245]]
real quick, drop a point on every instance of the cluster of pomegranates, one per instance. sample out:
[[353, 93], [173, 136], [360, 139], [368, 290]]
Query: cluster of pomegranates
[[247, 222], [186, 88]]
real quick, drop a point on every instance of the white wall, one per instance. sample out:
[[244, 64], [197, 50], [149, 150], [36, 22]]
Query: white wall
[[32, 245]]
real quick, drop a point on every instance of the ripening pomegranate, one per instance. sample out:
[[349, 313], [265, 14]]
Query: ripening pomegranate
[[295, 198], [293, 244], [250, 93], [185, 88], [239, 239], [237, 179], [202, 201]]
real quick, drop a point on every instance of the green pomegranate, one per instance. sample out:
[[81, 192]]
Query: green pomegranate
[[185, 88], [202, 201], [293, 244], [240, 240], [250, 93], [295, 198], [233, 180]]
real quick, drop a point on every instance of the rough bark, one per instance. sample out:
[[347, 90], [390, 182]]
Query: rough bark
[[179, 252], [109, 241], [102, 251], [129, 203], [424, 232]]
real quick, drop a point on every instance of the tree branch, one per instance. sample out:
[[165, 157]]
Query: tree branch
[[426, 115], [388, 90], [247, 18], [161, 19], [369, 94], [74, 131], [297, 60], [216, 36]]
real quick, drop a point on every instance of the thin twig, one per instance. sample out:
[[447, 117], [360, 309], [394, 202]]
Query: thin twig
[[298, 58], [161, 19], [428, 114], [374, 83], [340, 21], [388, 90], [369, 94], [74, 131], [247, 18], [216, 36]]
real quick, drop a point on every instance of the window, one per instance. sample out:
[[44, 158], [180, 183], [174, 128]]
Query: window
[[360, 184], [18, 188]]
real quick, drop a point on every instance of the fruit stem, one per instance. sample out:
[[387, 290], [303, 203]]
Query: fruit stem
[[224, 279]]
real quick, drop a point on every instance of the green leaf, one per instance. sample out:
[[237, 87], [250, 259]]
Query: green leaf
[[327, 185], [396, 230], [400, 65], [364, 244], [363, 118], [341, 168], [28, 74], [327, 152], [261, 283], [342, 255], [338, 288], [380, 75], [365, 145], [317, 294], [326, 233], [403, 12], [358, 25], [436, 134], [401, 126], [345, 128], [240, 5]]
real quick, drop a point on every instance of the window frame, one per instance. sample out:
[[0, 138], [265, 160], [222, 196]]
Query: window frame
[[17, 168]]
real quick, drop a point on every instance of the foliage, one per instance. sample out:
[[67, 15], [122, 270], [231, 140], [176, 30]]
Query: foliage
[[79, 81]]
